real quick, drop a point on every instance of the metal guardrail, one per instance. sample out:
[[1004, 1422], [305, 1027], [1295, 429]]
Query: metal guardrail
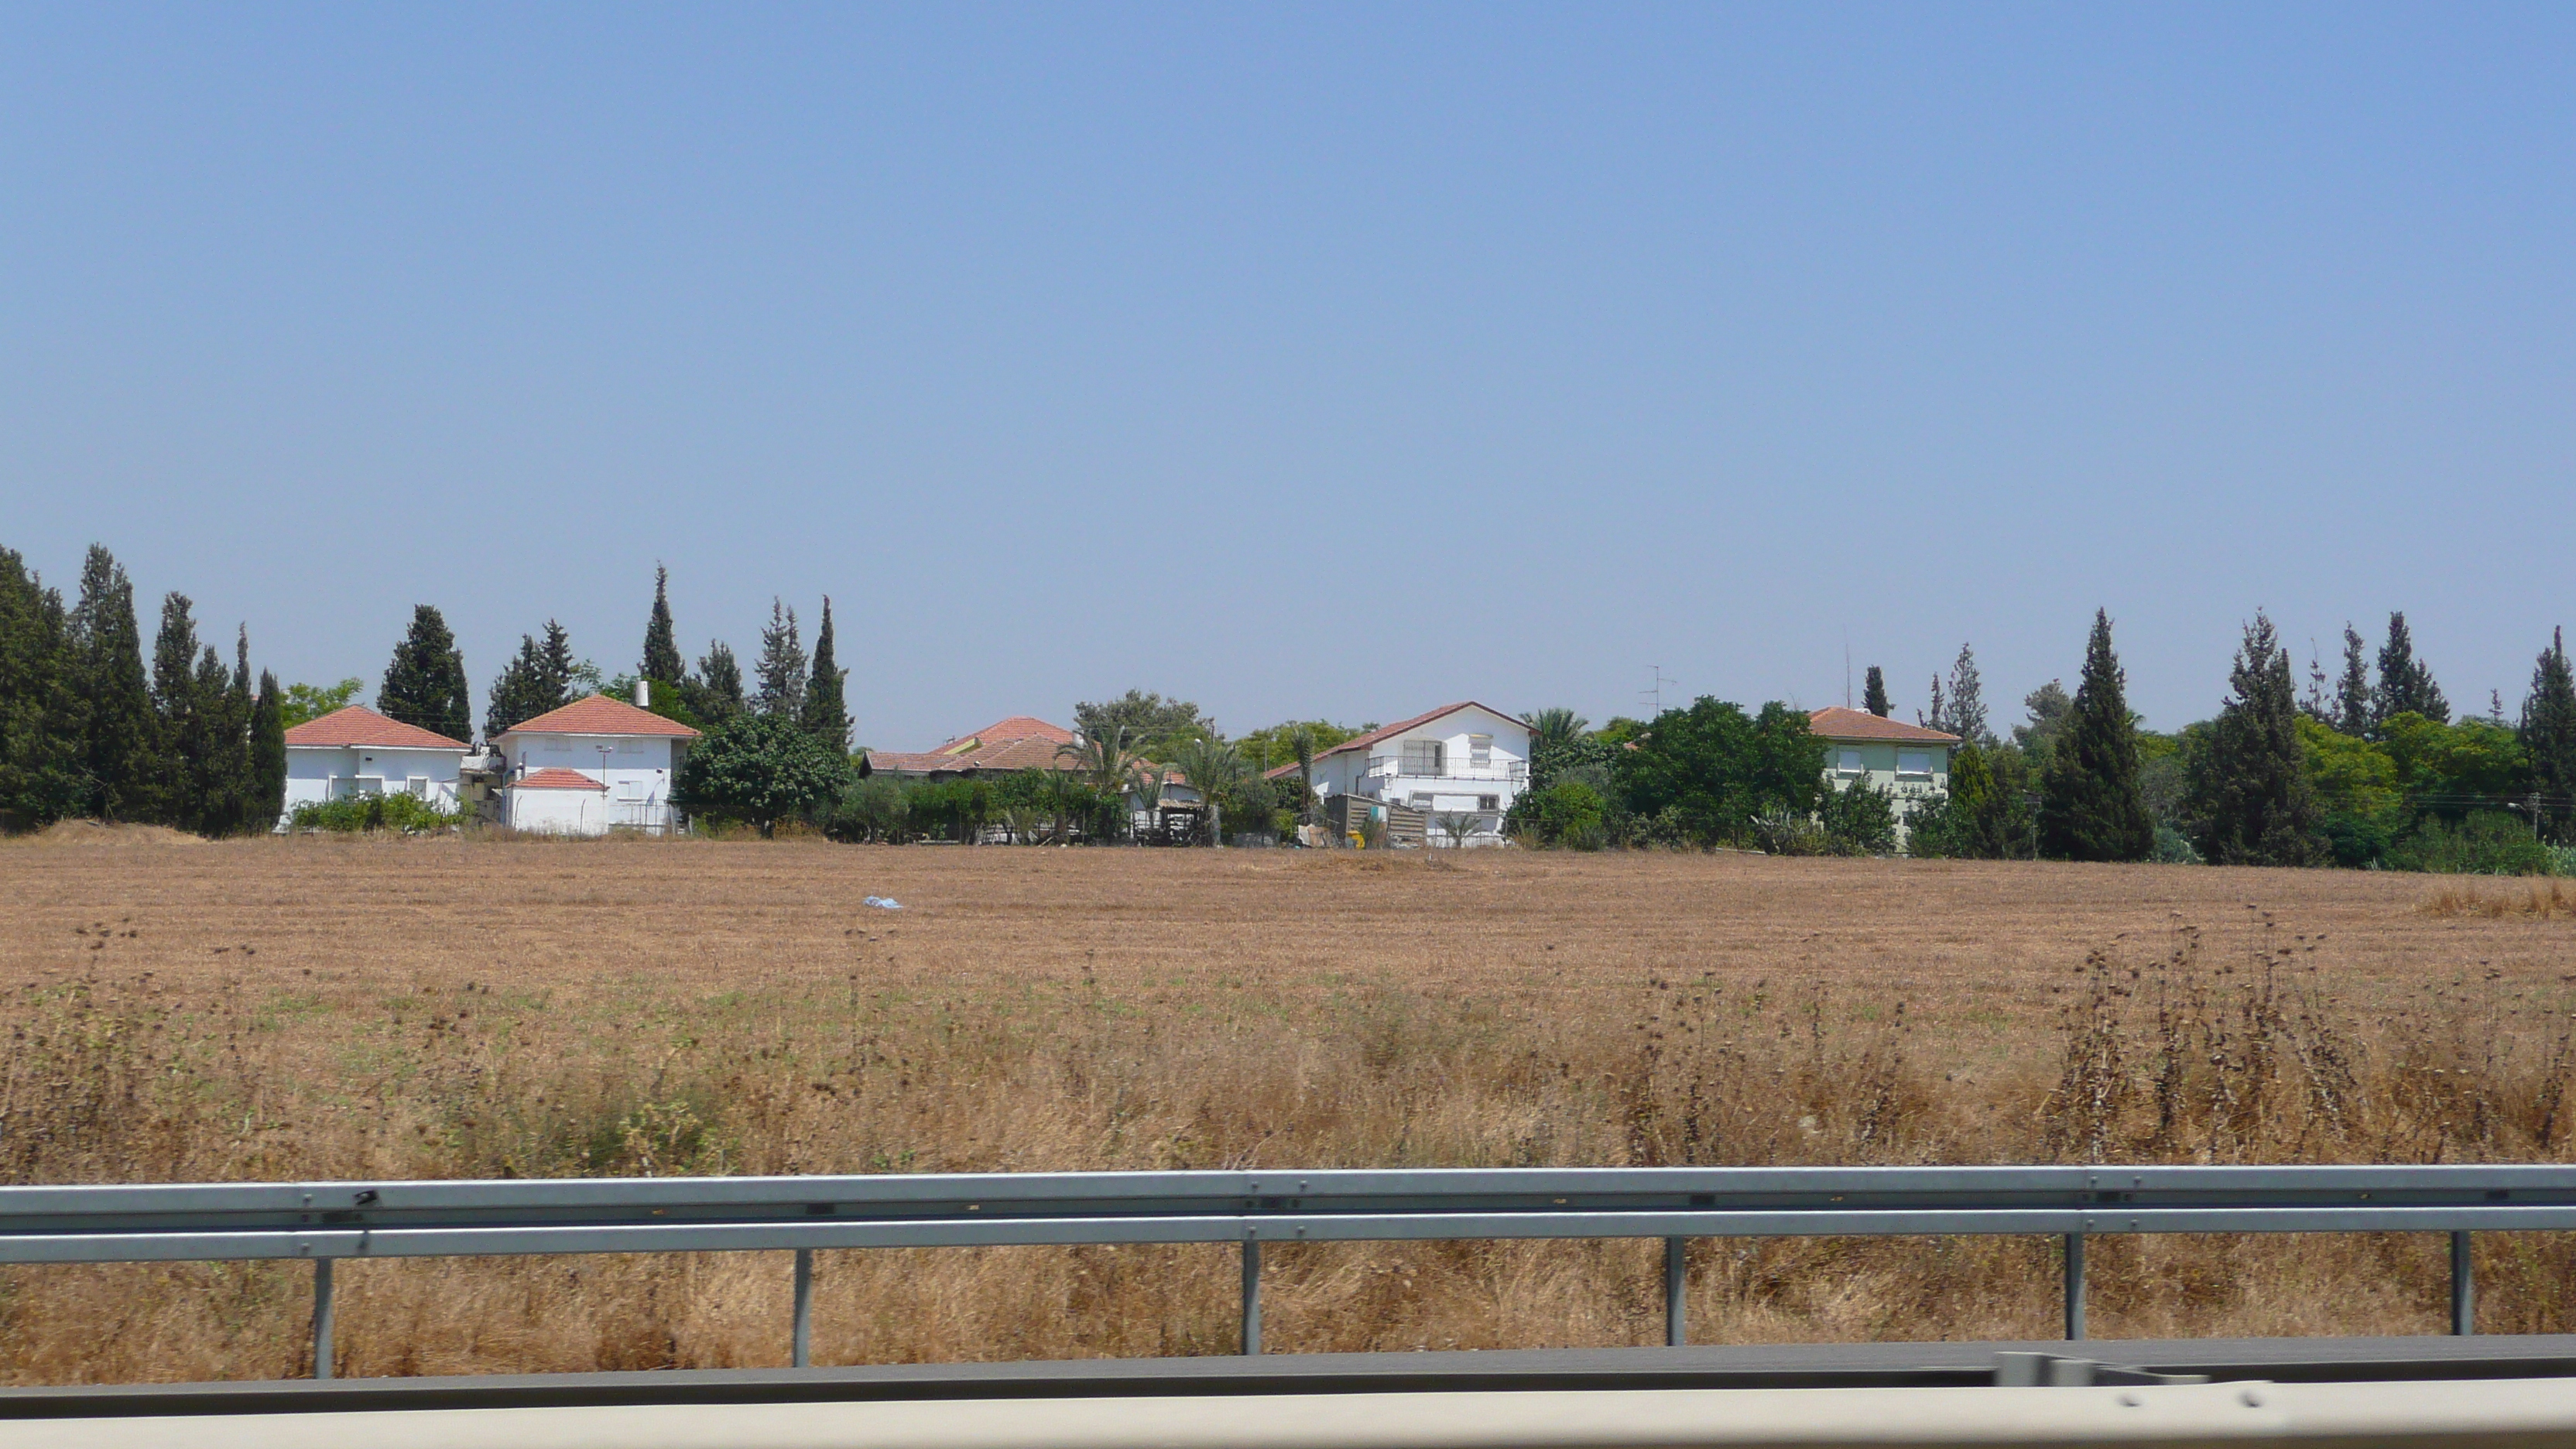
[[327, 1222]]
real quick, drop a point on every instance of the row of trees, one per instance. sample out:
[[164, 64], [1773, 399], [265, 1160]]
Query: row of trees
[[87, 730], [2369, 769]]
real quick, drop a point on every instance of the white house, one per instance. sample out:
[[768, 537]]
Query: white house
[[356, 751], [595, 765], [1906, 761], [1460, 759]]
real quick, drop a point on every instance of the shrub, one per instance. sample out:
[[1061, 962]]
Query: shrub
[[2488, 842], [1780, 832], [1569, 814], [357, 813], [871, 809], [1858, 819]]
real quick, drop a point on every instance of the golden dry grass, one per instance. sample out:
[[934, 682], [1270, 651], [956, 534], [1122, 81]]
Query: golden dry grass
[[362, 1008], [2544, 899]]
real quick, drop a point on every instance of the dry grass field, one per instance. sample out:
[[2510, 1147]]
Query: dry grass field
[[360, 1008]]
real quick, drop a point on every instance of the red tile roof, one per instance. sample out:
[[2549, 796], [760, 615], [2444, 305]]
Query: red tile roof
[[601, 715], [1008, 731], [358, 725], [555, 777], [1838, 723], [1384, 732]]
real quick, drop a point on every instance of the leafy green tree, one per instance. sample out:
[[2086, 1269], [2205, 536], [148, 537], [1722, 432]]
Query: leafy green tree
[[307, 702], [2050, 706], [424, 685], [1156, 727], [662, 659], [760, 768], [42, 739], [827, 705], [2405, 683], [267, 755], [1271, 746], [2361, 811], [780, 670], [2355, 707], [2091, 806], [1562, 744], [2254, 799], [2452, 769], [1710, 769], [2549, 740], [1873, 695]]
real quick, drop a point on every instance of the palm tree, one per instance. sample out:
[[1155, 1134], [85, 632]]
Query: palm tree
[[1148, 789], [1104, 760], [1210, 766], [1303, 741], [1554, 729]]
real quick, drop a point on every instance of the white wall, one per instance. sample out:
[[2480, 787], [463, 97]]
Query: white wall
[[640, 771], [1462, 787], [558, 812], [315, 773]]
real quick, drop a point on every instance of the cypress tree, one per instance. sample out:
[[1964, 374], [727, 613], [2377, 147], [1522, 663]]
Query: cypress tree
[[2253, 796], [2406, 683], [781, 669], [40, 720], [176, 702], [121, 738], [1873, 694], [2353, 707], [662, 661], [424, 685], [2091, 806], [1968, 702], [2549, 739], [211, 754], [827, 704], [716, 694], [267, 804], [558, 664], [519, 692]]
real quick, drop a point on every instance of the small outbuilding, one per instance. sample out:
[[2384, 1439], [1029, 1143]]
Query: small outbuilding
[[355, 751]]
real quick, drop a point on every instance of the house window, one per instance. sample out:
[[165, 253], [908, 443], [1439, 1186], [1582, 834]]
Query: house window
[[1489, 802], [1419, 799], [1849, 763], [1914, 762], [1480, 751], [1423, 758]]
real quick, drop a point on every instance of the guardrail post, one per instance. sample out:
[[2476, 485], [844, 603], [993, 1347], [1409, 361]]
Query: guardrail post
[[804, 1349], [1252, 1295], [2074, 1287], [2464, 1287], [1676, 1293], [321, 1318]]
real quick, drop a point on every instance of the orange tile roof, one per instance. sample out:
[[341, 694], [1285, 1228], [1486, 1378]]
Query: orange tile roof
[[1382, 732], [1839, 723], [358, 725], [601, 715], [555, 777]]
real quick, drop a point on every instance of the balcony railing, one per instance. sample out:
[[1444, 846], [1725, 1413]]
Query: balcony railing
[[1416, 768]]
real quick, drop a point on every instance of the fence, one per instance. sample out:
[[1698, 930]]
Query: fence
[[328, 1222]]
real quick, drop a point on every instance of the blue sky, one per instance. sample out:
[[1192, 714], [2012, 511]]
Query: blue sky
[[1307, 361]]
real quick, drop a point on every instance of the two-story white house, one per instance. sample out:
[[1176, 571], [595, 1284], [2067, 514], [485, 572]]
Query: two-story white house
[[1460, 759], [356, 751], [595, 765], [1907, 761]]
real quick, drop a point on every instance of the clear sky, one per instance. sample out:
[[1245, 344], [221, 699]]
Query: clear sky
[[1307, 361]]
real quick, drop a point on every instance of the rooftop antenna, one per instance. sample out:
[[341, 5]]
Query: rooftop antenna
[[1654, 693], [1847, 669]]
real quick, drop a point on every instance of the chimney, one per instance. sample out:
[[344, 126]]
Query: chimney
[[643, 694]]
